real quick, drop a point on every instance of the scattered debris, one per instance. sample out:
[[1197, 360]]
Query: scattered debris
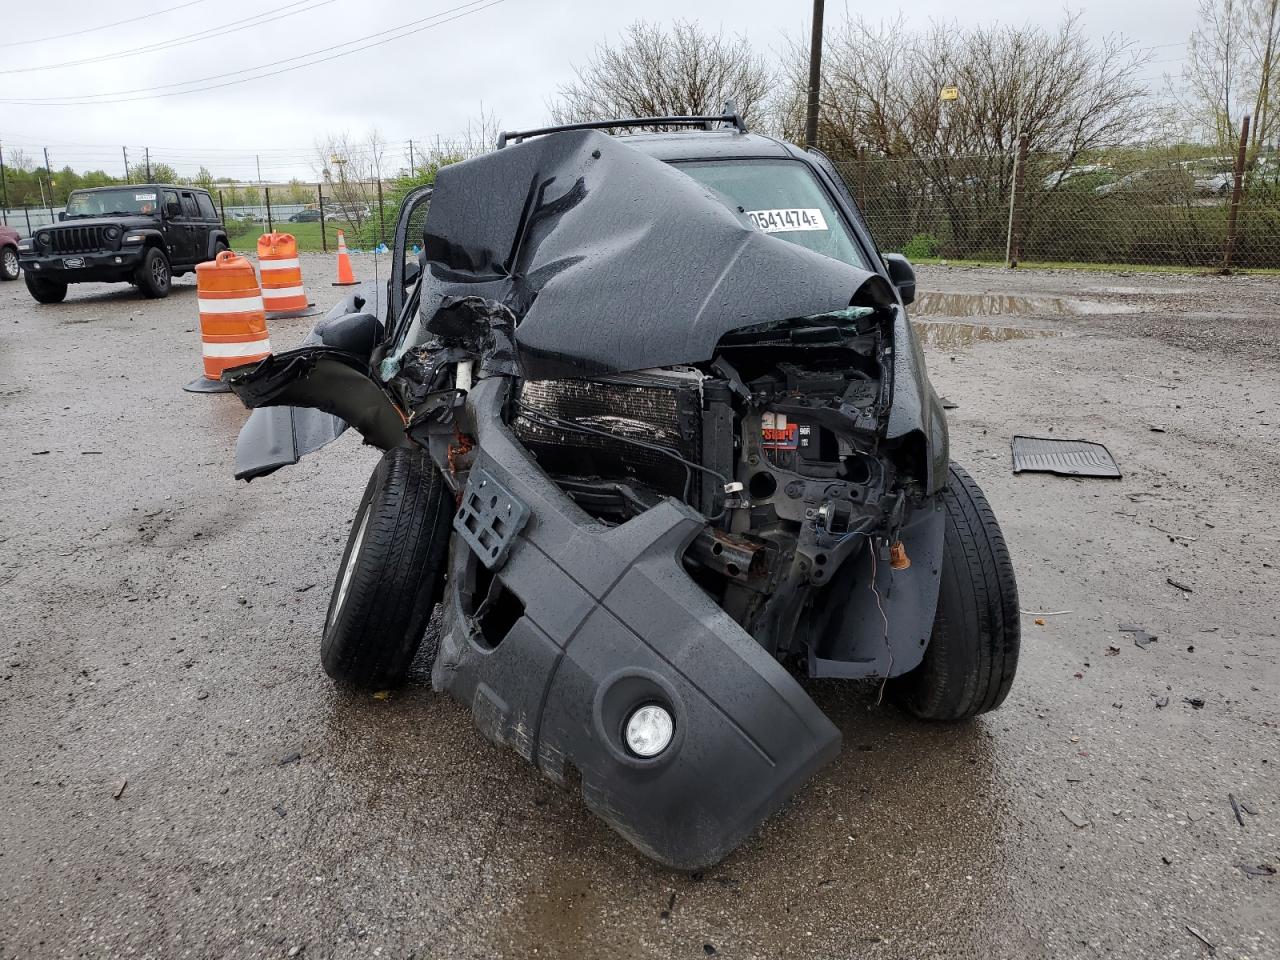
[[294, 951], [1078, 822], [1201, 937], [1140, 636], [948, 403], [124, 783], [382, 695], [1162, 702], [1039, 621], [202, 695], [1167, 861], [1248, 808], [1174, 583], [1235, 808], [1112, 651], [1068, 458], [290, 758], [1261, 870], [671, 905], [86, 453], [279, 808], [1197, 703], [709, 950], [1156, 428], [38, 453], [304, 589]]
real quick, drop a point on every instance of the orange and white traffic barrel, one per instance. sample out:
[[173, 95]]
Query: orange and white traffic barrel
[[233, 322], [282, 290]]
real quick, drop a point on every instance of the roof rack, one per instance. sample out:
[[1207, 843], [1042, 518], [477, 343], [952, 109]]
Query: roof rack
[[730, 117]]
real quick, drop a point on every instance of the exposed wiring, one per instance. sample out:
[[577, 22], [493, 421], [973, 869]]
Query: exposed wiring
[[871, 548]]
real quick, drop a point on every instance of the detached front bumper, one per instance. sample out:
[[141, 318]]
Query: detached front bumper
[[600, 621], [74, 267]]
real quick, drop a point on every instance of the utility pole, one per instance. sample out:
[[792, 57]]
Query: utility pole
[[1237, 188], [4, 186], [815, 77], [125, 151], [411, 163], [258, 161], [147, 154], [49, 175]]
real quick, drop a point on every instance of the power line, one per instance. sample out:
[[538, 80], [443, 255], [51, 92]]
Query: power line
[[235, 26], [402, 31], [105, 26]]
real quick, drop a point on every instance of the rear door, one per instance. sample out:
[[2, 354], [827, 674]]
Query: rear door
[[178, 228], [197, 226]]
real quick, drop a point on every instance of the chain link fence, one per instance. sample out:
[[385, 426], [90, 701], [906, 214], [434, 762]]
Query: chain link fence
[[1133, 205]]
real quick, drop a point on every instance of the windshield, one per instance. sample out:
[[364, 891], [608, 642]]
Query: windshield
[[105, 203], [781, 197]]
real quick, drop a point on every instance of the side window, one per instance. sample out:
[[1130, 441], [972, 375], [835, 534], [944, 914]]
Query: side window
[[206, 206], [189, 206], [170, 199]]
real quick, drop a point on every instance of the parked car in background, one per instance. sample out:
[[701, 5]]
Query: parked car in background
[[306, 216], [144, 234], [9, 268]]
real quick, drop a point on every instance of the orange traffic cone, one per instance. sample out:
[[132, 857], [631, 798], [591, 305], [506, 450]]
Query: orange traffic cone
[[233, 325], [346, 277]]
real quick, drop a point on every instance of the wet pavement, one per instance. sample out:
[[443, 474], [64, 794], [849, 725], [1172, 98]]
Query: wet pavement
[[179, 778]]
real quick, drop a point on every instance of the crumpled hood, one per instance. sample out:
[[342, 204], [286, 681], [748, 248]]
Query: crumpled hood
[[614, 261]]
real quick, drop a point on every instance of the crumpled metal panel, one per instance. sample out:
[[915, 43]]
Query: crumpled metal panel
[[613, 261]]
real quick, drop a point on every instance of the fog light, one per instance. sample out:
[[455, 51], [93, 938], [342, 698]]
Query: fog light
[[118, 260], [649, 730]]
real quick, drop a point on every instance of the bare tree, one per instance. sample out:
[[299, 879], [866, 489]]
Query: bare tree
[[881, 83], [655, 71], [429, 155], [1233, 59], [351, 169]]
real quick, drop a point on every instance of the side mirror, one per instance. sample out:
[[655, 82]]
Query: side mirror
[[902, 275], [62, 215], [173, 211]]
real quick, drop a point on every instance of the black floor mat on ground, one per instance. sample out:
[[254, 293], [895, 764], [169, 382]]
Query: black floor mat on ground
[[1067, 458]]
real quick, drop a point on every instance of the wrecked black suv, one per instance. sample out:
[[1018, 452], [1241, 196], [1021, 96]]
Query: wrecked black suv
[[143, 234], [659, 437]]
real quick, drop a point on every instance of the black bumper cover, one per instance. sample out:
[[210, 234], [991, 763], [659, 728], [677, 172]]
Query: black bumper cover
[[611, 621], [95, 267]]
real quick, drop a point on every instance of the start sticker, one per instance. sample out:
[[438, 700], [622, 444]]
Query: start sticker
[[138, 197], [785, 221], [778, 434]]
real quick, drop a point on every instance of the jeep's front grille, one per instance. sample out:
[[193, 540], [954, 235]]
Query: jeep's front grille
[[79, 239]]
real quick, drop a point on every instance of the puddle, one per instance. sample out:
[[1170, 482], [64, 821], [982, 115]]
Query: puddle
[[949, 334], [1005, 304]]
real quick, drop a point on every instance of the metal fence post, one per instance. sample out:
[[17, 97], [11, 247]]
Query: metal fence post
[[324, 240], [382, 224], [270, 225], [1237, 189], [26, 212], [1013, 240], [222, 207]]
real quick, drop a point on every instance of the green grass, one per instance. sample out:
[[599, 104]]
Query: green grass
[[244, 236], [1095, 267]]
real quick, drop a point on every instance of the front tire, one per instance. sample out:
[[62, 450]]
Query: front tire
[[973, 652], [45, 290], [9, 268], [392, 572], [154, 275]]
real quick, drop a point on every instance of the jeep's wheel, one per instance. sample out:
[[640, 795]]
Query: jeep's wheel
[[392, 572], [153, 274], [218, 248], [973, 652], [46, 290], [9, 269]]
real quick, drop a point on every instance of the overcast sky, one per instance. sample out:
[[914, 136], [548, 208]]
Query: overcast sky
[[508, 57]]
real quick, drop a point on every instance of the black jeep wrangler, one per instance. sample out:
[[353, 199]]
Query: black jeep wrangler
[[144, 234]]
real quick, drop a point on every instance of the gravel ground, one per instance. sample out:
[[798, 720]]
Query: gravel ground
[[179, 779]]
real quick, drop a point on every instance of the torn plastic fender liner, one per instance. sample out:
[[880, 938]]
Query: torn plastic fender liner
[[326, 379], [605, 620]]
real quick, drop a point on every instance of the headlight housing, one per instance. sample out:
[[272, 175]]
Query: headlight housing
[[133, 238], [111, 233], [42, 239], [25, 244]]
